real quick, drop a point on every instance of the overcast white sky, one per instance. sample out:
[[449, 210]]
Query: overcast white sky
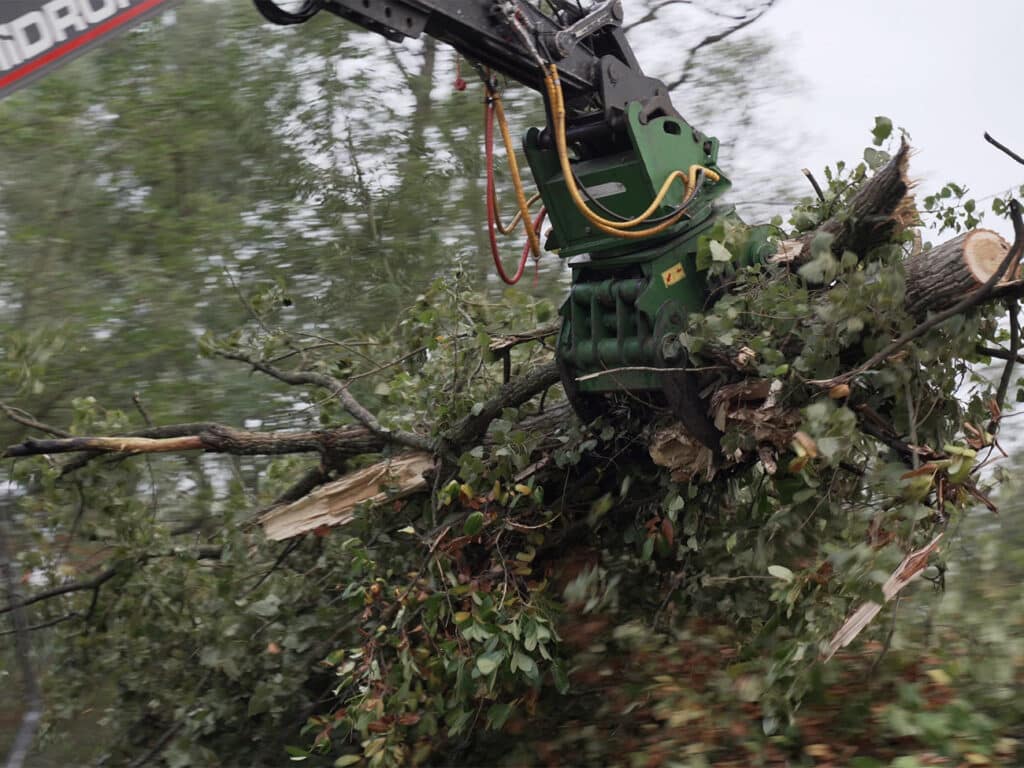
[[945, 70]]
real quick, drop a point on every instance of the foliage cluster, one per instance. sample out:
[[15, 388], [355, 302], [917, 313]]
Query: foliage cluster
[[555, 598], [593, 613]]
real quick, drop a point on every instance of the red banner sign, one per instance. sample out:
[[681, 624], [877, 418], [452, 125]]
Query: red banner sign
[[36, 36]]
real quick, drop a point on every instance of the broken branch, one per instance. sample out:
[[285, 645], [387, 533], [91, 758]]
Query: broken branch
[[25, 419], [881, 208], [335, 503], [909, 569]]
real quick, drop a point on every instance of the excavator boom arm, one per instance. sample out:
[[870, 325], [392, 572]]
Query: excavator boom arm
[[596, 64]]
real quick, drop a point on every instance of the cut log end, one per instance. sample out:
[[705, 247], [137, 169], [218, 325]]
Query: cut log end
[[939, 278], [983, 252]]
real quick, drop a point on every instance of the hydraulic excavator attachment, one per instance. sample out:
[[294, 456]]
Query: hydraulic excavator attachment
[[628, 185]]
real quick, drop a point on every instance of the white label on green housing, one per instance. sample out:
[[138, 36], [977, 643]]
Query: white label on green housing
[[607, 189]]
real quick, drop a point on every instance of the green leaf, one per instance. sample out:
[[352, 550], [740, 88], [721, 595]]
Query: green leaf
[[346, 760], [525, 663], [719, 252], [829, 446], [866, 762], [488, 662], [498, 714], [259, 702], [875, 158], [882, 130], [600, 508], [823, 265], [648, 548], [560, 677], [474, 524], [781, 572]]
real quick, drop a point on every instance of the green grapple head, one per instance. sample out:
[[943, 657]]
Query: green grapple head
[[630, 298]]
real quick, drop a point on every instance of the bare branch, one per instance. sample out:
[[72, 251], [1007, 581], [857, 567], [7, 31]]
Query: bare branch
[[25, 419], [873, 425], [814, 183], [397, 61], [390, 364], [512, 395], [998, 354], [1009, 289], [1003, 148], [45, 624], [717, 38], [653, 11], [202, 553], [216, 438], [1004, 381], [649, 369], [286, 550], [333, 444], [153, 751], [503, 344], [908, 570], [169, 734], [312, 478], [340, 390], [103, 445], [65, 589], [137, 399]]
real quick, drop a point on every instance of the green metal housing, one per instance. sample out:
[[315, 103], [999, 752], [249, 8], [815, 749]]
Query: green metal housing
[[625, 182], [630, 299]]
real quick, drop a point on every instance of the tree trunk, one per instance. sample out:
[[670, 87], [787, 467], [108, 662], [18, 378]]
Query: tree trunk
[[939, 278]]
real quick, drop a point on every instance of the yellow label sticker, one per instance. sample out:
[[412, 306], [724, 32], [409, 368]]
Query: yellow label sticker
[[673, 274]]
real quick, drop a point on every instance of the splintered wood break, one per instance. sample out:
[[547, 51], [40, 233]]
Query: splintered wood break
[[335, 503]]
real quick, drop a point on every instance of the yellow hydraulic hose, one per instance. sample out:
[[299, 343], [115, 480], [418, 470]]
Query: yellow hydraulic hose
[[507, 229], [609, 226]]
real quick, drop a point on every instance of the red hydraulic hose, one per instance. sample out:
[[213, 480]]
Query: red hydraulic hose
[[492, 213]]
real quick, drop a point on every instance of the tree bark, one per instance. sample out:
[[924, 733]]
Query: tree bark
[[941, 277], [213, 438]]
